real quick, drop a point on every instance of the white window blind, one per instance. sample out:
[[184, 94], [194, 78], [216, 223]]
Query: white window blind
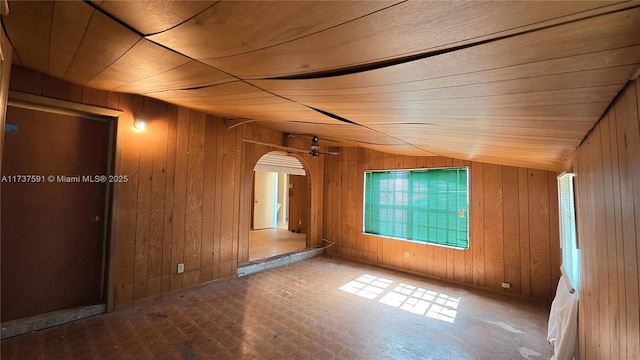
[[568, 240]]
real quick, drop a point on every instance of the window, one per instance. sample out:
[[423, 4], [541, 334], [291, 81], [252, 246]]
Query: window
[[427, 205], [568, 240]]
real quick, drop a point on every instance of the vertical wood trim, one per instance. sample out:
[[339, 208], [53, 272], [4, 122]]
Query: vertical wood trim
[[194, 198], [179, 197], [477, 218], [511, 223], [158, 127], [167, 239], [144, 204], [525, 255], [127, 203], [493, 229], [539, 234]]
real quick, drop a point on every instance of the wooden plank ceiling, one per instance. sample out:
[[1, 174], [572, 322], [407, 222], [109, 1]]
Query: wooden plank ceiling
[[513, 83]]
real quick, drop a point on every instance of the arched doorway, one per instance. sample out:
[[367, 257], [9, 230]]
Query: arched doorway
[[281, 201]]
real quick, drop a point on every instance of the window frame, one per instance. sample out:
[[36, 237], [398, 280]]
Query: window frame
[[423, 242], [572, 271]]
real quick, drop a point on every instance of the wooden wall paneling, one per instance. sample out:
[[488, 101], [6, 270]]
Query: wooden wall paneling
[[460, 256], [477, 240], [362, 243], [235, 134], [315, 200], [523, 221], [170, 178], [59, 89], [226, 216], [339, 204], [113, 101], [375, 242], [611, 239], [539, 234], [144, 202], [194, 198], [493, 226], [94, 97], [127, 204], [554, 231], [156, 115], [75, 93], [246, 198], [180, 197], [329, 190], [350, 180], [628, 150], [511, 230], [350, 216], [582, 169], [600, 246], [208, 200], [26, 80], [590, 255], [509, 189], [369, 242], [617, 196], [218, 205], [576, 167], [450, 252]]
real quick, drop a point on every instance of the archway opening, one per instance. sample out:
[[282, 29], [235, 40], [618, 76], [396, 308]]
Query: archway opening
[[280, 212]]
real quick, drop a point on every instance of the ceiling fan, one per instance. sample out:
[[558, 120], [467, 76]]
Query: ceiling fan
[[314, 150]]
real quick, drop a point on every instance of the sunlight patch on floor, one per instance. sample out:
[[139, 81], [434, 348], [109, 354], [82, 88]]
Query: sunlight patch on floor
[[407, 297]]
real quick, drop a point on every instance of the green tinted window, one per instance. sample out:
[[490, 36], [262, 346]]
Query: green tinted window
[[430, 205]]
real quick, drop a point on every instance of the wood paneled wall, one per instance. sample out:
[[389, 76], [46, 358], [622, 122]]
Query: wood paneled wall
[[299, 199], [607, 183], [188, 198], [513, 225]]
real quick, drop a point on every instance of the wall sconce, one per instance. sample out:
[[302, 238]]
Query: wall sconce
[[140, 124]]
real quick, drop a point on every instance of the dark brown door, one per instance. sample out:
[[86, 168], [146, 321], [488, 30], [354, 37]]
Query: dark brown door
[[52, 230]]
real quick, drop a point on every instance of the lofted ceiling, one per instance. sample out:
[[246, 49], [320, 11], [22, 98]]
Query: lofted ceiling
[[514, 83]]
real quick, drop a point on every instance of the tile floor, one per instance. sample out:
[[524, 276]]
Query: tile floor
[[271, 242], [322, 308]]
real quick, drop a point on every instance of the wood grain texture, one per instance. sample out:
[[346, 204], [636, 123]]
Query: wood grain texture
[[517, 83], [607, 171], [502, 202], [188, 189], [413, 27]]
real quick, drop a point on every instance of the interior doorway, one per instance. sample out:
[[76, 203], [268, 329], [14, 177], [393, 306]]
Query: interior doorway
[[53, 223], [280, 195]]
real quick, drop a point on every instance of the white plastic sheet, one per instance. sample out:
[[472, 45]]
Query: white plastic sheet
[[563, 320]]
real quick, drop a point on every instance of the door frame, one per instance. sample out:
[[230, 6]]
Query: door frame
[[40, 103]]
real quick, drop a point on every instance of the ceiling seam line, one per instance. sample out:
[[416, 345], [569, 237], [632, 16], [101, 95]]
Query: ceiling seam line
[[355, 69], [314, 33], [182, 22]]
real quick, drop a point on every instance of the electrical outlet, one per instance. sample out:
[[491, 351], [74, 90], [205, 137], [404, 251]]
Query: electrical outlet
[[506, 285], [406, 254], [180, 268]]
